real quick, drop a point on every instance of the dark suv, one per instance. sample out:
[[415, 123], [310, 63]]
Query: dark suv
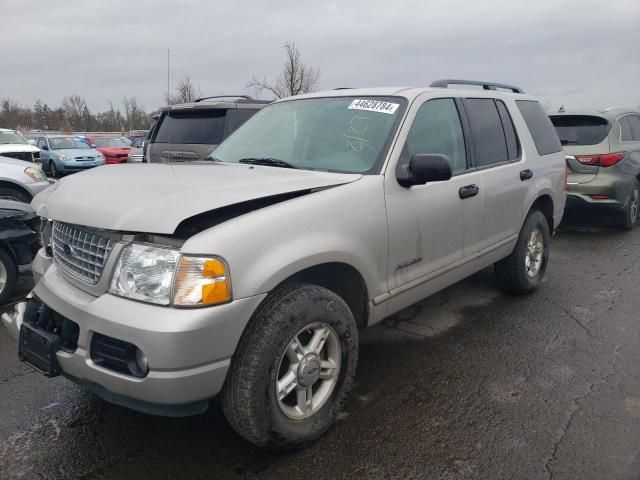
[[190, 131]]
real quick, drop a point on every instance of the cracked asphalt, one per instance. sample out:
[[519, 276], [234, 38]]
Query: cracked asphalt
[[470, 383]]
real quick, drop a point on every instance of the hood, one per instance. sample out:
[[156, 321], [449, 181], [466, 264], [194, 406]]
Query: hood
[[77, 152], [17, 147], [115, 150], [16, 162], [155, 198]]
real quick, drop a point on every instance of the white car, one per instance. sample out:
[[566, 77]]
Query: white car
[[20, 181], [14, 145]]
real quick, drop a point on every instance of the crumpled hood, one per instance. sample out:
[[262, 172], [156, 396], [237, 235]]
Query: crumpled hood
[[155, 198], [17, 147]]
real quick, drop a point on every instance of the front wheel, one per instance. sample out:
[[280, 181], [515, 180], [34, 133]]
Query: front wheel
[[523, 270], [53, 169], [628, 216], [292, 369], [8, 276]]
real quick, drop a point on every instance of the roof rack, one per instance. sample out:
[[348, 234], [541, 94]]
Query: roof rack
[[343, 88], [246, 97], [484, 85]]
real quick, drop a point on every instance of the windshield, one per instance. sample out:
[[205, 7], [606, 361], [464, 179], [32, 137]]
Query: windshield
[[109, 142], [340, 134], [580, 129], [62, 143], [12, 137]]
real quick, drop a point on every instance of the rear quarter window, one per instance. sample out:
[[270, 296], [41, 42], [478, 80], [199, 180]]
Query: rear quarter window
[[544, 135], [203, 127], [580, 129]]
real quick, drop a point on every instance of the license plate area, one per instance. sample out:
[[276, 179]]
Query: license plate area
[[38, 349]]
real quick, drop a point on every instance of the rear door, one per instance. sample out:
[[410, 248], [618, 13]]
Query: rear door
[[497, 155], [582, 136]]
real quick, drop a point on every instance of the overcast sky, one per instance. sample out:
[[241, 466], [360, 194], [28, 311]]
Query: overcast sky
[[580, 53]]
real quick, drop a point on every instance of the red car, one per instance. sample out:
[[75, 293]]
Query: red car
[[114, 149]]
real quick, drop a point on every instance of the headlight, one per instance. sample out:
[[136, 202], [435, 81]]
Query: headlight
[[100, 155], [163, 276], [36, 174], [63, 157]]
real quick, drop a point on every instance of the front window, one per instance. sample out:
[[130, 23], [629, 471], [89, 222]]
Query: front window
[[63, 143], [12, 137], [109, 142], [339, 134]]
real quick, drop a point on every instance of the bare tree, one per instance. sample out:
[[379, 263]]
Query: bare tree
[[74, 106], [185, 92], [295, 78]]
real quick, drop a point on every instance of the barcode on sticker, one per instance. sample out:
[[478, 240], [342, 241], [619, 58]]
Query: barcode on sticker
[[374, 106]]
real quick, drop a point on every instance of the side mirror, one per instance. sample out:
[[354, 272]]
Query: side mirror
[[44, 147], [424, 168], [93, 145]]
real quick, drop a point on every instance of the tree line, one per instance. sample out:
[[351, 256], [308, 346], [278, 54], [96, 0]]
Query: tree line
[[73, 115]]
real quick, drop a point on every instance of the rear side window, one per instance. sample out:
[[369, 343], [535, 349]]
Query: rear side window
[[206, 127], [509, 131], [625, 129], [487, 133], [236, 117], [544, 135], [634, 127], [580, 129]]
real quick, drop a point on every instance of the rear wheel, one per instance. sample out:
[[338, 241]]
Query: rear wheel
[[8, 276], [292, 369], [8, 193], [523, 270], [628, 216]]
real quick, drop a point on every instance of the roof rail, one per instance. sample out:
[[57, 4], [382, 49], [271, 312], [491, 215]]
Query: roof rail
[[246, 97], [343, 88], [484, 85]]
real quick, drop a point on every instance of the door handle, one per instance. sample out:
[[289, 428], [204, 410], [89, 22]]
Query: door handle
[[468, 191], [526, 174]]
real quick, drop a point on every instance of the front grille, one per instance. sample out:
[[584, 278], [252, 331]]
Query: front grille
[[26, 156], [80, 251]]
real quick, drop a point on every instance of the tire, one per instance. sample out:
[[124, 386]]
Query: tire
[[628, 217], [249, 397], [53, 169], [520, 272], [8, 193], [8, 276]]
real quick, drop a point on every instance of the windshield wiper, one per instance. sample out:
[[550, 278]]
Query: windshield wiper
[[269, 162]]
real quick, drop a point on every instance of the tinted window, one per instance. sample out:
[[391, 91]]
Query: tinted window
[[580, 129], [192, 127], [544, 135], [437, 129], [489, 142], [509, 130], [634, 122], [236, 117], [625, 129]]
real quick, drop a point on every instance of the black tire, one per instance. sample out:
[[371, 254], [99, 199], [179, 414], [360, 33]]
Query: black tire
[[249, 394], [512, 272], [53, 169], [10, 275], [627, 218], [8, 193]]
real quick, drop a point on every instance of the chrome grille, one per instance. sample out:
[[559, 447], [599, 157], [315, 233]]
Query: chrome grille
[[80, 251]]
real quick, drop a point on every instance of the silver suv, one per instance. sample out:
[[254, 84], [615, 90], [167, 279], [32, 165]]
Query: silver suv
[[250, 274]]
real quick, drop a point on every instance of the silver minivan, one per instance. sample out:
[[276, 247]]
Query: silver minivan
[[249, 274]]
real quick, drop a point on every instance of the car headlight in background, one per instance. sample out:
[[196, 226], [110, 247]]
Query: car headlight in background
[[163, 276], [63, 157], [36, 174]]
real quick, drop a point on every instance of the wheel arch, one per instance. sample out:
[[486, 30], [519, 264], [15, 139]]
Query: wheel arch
[[544, 204], [16, 186]]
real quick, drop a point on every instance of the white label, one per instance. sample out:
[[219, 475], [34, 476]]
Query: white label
[[374, 106]]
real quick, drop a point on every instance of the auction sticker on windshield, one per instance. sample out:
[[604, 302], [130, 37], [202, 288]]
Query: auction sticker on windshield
[[374, 106]]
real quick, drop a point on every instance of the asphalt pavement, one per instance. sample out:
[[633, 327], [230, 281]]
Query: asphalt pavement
[[470, 383]]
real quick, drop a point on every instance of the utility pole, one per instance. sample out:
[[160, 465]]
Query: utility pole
[[168, 91]]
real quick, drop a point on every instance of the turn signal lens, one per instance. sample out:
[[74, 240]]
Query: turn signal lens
[[201, 281]]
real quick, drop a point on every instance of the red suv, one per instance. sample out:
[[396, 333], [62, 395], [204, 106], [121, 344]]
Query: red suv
[[114, 149]]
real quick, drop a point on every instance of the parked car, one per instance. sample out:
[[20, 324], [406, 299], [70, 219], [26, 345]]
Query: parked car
[[14, 145], [114, 149], [19, 226], [20, 181], [249, 275], [190, 131], [603, 155], [61, 154]]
